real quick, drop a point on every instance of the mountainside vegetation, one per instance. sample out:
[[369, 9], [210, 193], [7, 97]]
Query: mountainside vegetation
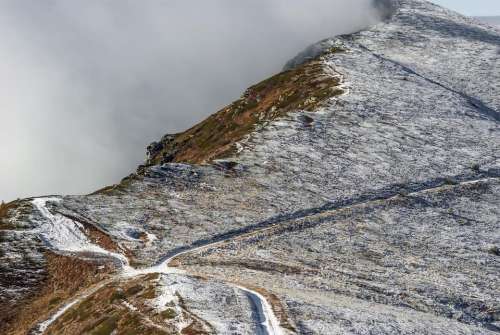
[[306, 87]]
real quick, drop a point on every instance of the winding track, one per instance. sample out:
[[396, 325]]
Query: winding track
[[267, 323]]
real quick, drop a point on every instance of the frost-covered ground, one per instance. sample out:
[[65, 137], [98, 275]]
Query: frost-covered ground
[[379, 216], [249, 310]]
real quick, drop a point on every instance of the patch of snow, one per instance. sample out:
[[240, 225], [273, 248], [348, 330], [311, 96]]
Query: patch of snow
[[66, 235], [151, 237], [130, 306]]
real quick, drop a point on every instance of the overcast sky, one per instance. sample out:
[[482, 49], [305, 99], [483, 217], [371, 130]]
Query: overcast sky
[[473, 7], [86, 85]]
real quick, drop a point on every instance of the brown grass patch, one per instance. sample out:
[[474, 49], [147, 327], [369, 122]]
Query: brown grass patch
[[106, 311], [65, 277], [5, 210], [303, 88], [195, 328], [117, 189]]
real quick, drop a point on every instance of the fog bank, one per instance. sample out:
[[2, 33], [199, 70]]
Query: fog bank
[[85, 85]]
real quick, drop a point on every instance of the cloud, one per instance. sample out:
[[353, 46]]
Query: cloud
[[85, 85]]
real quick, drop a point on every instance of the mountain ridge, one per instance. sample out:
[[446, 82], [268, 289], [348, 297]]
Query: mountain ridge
[[374, 211]]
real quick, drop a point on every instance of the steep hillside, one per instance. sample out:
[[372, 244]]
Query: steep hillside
[[357, 192]]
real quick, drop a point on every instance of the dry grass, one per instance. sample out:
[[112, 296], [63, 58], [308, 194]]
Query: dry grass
[[117, 189], [194, 329], [105, 312], [65, 277], [303, 88], [4, 214]]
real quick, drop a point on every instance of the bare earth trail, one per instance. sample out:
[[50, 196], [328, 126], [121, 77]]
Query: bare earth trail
[[266, 321], [393, 191]]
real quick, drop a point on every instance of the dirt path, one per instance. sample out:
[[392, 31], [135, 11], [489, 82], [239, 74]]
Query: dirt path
[[266, 322]]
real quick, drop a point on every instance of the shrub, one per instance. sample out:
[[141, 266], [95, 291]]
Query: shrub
[[117, 295], [4, 210], [106, 327], [134, 290], [169, 313], [450, 181]]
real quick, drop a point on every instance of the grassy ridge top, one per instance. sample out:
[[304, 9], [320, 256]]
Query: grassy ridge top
[[303, 88]]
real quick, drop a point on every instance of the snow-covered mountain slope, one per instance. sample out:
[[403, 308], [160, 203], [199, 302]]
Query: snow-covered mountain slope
[[357, 192], [493, 21]]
